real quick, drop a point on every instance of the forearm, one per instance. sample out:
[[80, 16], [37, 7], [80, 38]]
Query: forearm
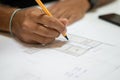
[[97, 3], [86, 3], [5, 13], [103, 2]]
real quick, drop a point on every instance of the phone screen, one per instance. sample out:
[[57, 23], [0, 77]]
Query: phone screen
[[112, 18]]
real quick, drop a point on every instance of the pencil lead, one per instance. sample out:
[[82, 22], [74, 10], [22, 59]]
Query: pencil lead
[[66, 37]]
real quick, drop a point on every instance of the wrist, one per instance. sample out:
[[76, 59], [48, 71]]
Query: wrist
[[11, 20], [5, 13], [92, 3]]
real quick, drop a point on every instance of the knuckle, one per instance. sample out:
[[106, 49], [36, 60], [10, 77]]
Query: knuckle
[[32, 13], [25, 25]]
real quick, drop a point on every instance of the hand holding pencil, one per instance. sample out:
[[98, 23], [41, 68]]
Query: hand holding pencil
[[32, 26], [49, 14]]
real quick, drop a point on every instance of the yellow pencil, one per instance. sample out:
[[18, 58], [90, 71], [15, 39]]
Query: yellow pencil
[[48, 13]]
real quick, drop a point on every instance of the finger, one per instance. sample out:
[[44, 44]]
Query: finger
[[46, 32], [42, 30], [66, 14], [71, 16], [40, 39], [59, 13], [76, 17], [72, 19], [54, 8], [51, 22]]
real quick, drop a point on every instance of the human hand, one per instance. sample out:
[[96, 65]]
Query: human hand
[[33, 26], [73, 10]]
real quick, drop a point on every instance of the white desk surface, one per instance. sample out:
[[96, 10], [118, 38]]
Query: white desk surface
[[19, 61]]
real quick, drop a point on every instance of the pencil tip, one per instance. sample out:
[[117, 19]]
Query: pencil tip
[[66, 37]]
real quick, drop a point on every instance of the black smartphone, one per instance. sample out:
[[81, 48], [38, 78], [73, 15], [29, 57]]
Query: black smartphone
[[112, 18]]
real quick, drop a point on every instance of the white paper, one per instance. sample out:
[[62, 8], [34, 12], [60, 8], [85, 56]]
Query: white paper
[[92, 53]]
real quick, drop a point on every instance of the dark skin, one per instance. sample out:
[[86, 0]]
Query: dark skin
[[33, 26]]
